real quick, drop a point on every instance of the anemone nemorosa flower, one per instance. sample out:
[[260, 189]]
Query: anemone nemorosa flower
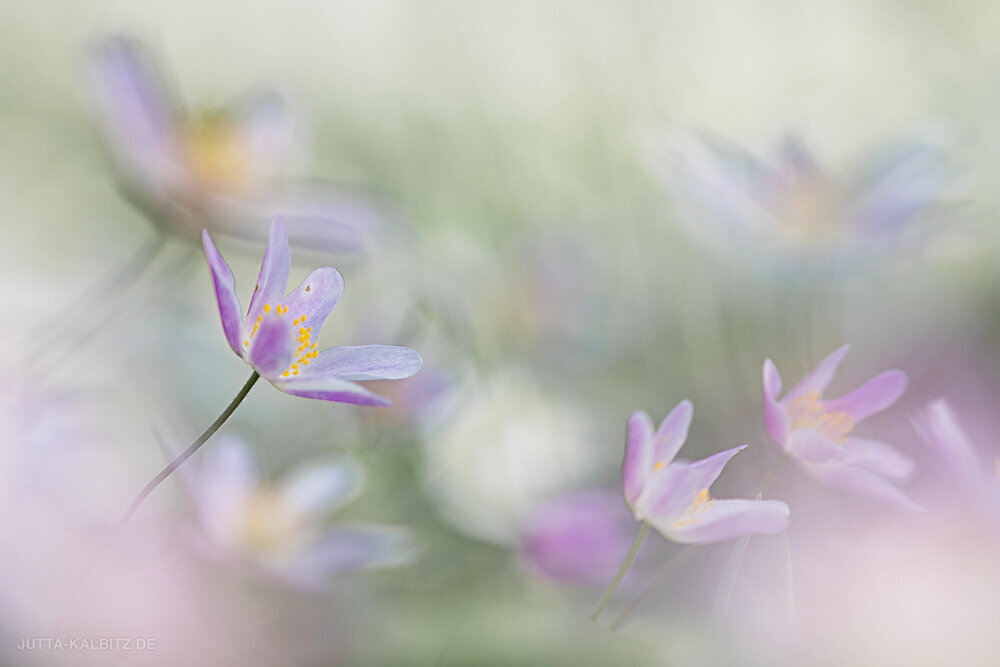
[[281, 527], [672, 495], [225, 168], [277, 336], [792, 211], [817, 433]]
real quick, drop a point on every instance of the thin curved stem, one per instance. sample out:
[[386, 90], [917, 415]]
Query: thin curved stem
[[626, 564], [185, 455], [668, 568]]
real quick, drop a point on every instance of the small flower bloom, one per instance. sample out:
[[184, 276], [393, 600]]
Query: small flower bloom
[[578, 538], [281, 527], [673, 495], [792, 211], [277, 336], [223, 168], [818, 433]]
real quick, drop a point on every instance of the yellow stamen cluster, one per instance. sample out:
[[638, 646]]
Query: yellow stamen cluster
[[701, 502], [217, 153], [807, 411], [306, 351]]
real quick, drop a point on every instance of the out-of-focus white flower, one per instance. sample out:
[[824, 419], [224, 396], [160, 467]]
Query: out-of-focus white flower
[[280, 528], [510, 447]]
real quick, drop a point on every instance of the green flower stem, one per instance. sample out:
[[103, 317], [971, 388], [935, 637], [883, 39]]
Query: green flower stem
[[626, 564]]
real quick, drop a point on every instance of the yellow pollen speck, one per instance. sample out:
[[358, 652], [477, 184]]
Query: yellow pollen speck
[[702, 501], [659, 466], [307, 288], [267, 308], [285, 374], [807, 411]]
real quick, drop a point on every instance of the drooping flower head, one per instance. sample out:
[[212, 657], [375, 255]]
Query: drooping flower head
[[222, 168], [277, 337], [792, 212], [819, 434], [282, 526], [673, 495]]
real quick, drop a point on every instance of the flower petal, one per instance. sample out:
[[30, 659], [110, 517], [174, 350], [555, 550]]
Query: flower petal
[[809, 446], [878, 457], [225, 293], [862, 481], [952, 442], [315, 297], [775, 414], [225, 480], [273, 277], [638, 461], [673, 432], [270, 349], [329, 388], [356, 548], [722, 520], [365, 362], [873, 396], [818, 379], [670, 492], [317, 491]]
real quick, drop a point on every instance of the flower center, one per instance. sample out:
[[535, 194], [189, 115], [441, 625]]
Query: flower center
[[807, 411], [268, 527], [702, 501], [306, 350], [216, 152]]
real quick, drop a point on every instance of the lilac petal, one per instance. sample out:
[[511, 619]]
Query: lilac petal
[[808, 446], [365, 362], [873, 396], [270, 349], [360, 547], [317, 491], [225, 293], [315, 297], [722, 520], [138, 110], [775, 414], [329, 389], [878, 457], [269, 128], [673, 432], [273, 277], [862, 481], [670, 492], [225, 480], [818, 379], [638, 461], [952, 442]]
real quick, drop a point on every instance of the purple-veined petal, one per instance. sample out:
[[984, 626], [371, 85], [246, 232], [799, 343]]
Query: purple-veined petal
[[878, 457], [775, 414], [273, 277], [860, 480], [873, 396], [670, 491], [316, 491], [808, 446], [673, 432], [329, 389], [722, 520], [638, 461], [818, 379], [225, 293], [952, 443], [315, 297], [270, 350], [365, 362]]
